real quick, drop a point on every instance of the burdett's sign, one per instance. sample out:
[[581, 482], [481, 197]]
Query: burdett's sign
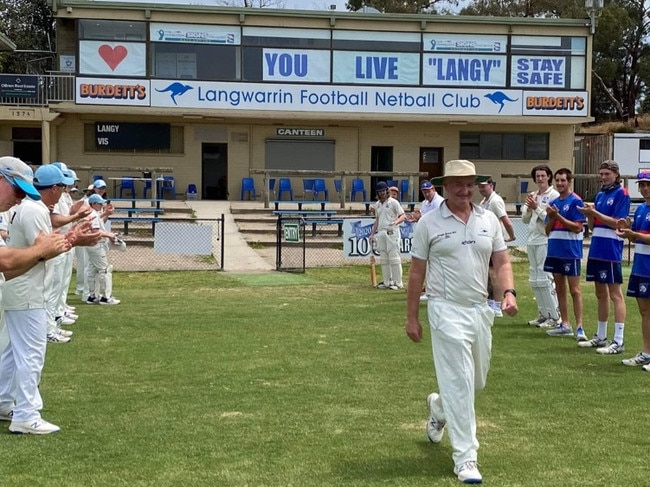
[[95, 91], [555, 103]]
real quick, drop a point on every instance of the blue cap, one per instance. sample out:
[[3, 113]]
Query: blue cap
[[60, 165], [426, 185], [19, 174], [99, 183], [49, 175], [95, 198], [381, 185]]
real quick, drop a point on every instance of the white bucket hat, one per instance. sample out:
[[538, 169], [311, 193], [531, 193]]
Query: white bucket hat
[[459, 168]]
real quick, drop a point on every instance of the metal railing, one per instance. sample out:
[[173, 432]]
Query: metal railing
[[51, 88]]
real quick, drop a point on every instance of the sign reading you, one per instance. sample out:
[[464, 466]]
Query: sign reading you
[[120, 135]]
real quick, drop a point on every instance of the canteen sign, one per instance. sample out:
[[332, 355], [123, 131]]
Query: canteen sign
[[356, 238]]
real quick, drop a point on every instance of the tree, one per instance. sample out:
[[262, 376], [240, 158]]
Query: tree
[[396, 6], [252, 3], [30, 25]]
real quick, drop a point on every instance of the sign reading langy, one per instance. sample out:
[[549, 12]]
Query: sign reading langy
[[375, 68], [464, 69], [538, 72], [293, 65]]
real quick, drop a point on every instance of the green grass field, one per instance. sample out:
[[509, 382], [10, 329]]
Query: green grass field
[[213, 379]]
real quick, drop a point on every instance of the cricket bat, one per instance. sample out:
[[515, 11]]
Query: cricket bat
[[373, 271]]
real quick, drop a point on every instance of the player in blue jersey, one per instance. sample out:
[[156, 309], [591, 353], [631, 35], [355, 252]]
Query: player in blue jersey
[[612, 203], [639, 284], [564, 228]]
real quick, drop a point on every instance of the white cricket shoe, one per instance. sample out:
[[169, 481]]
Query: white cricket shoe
[[34, 427]]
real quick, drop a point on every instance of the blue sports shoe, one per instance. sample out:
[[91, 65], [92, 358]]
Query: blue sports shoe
[[560, 330]]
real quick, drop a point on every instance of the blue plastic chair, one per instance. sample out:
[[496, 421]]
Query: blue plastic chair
[[285, 187], [127, 184], [248, 185], [167, 184], [338, 187], [272, 186], [147, 187], [358, 187], [524, 187], [392, 182], [404, 189], [192, 192], [307, 187], [320, 187]]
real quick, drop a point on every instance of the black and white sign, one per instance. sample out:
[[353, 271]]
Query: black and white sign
[[18, 86], [120, 135]]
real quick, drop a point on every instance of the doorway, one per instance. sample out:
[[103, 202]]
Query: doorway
[[214, 171], [431, 163], [381, 159], [28, 144]]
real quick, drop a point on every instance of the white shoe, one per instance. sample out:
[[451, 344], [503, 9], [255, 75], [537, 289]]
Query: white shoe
[[468, 472], [6, 415], [71, 315], [435, 427], [34, 427], [70, 309], [62, 332], [104, 300], [64, 320], [56, 338], [423, 298]]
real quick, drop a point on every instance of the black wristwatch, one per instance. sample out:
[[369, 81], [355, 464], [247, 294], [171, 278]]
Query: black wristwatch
[[511, 291]]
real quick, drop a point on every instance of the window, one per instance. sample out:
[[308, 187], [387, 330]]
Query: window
[[195, 61], [112, 30], [504, 146]]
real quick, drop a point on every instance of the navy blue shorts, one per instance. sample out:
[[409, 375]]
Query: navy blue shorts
[[604, 272], [564, 267], [638, 287]]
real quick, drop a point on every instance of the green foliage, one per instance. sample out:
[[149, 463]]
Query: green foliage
[[30, 25], [214, 379], [397, 6]]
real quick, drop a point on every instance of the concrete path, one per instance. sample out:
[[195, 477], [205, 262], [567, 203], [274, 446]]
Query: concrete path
[[238, 256]]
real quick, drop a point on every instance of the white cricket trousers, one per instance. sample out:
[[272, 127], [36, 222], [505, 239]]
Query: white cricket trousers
[[389, 256], [21, 363], [97, 269], [461, 337], [80, 286]]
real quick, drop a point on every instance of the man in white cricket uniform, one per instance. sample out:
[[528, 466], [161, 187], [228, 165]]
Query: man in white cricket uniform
[[534, 215], [25, 310], [388, 216], [453, 246]]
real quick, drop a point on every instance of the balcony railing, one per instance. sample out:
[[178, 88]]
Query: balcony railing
[[52, 88]]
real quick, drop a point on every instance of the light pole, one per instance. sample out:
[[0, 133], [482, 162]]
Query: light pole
[[594, 8]]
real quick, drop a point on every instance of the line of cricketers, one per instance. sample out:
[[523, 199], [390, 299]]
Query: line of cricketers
[[43, 224]]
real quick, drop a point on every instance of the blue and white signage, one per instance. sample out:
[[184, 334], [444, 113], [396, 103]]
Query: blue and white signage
[[465, 43], [356, 238], [195, 34], [538, 72], [464, 69], [308, 66], [375, 68], [317, 98]]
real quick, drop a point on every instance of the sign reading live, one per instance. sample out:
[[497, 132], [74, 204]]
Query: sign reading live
[[18, 86], [112, 91], [129, 136]]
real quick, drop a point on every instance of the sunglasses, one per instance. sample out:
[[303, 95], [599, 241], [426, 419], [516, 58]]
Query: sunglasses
[[18, 193], [643, 175]]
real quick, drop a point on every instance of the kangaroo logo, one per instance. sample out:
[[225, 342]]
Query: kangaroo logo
[[176, 89], [499, 98]]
